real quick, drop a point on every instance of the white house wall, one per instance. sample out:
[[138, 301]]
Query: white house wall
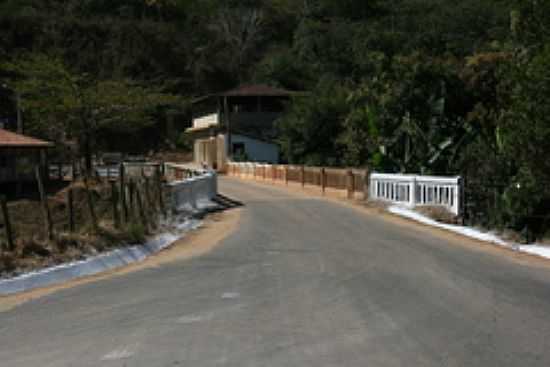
[[257, 150], [205, 121]]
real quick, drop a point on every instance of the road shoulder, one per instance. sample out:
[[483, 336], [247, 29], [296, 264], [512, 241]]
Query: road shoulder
[[215, 228]]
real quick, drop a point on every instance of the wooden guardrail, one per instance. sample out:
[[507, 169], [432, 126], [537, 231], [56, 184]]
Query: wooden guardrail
[[352, 181]]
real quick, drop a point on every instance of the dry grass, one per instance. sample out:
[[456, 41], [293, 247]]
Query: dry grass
[[33, 250], [438, 213]]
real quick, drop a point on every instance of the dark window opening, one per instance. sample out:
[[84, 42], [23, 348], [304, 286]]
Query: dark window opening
[[239, 152]]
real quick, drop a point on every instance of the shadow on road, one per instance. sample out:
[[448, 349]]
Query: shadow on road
[[226, 203]]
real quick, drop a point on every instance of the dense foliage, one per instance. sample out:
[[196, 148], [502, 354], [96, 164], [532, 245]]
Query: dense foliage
[[430, 86]]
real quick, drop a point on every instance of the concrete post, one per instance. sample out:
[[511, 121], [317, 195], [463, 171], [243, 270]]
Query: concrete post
[[366, 185], [412, 192], [458, 191]]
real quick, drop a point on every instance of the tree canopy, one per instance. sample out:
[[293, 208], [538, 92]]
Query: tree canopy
[[424, 86]]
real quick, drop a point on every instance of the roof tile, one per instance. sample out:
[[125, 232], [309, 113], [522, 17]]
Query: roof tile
[[10, 139]]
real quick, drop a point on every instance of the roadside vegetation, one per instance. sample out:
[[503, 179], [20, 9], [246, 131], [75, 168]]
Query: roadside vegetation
[[424, 86], [35, 249]]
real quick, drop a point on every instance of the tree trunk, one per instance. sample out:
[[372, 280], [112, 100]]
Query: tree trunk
[[87, 147]]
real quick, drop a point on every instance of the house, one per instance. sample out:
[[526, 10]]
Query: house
[[19, 155], [237, 124]]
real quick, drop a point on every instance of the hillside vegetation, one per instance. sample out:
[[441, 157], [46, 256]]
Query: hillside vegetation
[[429, 86]]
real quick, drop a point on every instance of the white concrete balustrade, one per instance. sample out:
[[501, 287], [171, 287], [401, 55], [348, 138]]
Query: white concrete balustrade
[[412, 190]]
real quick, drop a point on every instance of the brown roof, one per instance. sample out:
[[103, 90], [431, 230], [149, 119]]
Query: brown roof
[[257, 90], [10, 139]]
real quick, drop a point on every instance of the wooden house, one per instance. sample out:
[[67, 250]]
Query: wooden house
[[19, 155], [237, 124]]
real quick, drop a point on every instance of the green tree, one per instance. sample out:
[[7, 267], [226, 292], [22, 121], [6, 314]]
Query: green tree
[[63, 105]]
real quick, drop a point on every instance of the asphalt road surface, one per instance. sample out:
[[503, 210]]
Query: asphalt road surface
[[301, 282]]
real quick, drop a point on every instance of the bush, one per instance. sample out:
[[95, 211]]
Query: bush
[[135, 233]]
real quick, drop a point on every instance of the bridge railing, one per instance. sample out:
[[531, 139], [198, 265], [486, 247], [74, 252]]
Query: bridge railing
[[412, 190], [409, 190], [352, 181]]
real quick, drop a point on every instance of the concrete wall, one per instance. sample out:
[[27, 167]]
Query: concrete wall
[[205, 151], [193, 193]]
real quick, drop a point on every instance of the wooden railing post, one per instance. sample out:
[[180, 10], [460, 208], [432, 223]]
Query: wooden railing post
[[350, 184], [303, 175], [323, 180], [286, 175]]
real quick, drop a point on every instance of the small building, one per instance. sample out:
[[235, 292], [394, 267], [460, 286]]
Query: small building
[[237, 124], [19, 155]]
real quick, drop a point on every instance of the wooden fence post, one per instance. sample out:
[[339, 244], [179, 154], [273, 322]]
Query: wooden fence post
[[115, 200], [148, 197], [7, 223], [303, 175], [323, 180], [131, 201], [70, 205], [160, 193], [91, 208], [122, 176], [350, 184], [140, 208], [73, 170], [45, 207]]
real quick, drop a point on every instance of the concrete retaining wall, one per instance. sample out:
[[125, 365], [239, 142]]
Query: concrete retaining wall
[[194, 193]]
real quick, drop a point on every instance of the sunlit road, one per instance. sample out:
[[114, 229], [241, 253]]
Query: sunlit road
[[301, 282]]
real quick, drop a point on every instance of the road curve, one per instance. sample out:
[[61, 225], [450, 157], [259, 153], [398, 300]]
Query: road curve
[[302, 282]]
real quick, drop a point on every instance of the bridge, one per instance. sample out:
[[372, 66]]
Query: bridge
[[288, 279]]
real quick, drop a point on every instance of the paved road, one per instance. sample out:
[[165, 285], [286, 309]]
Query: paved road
[[302, 282]]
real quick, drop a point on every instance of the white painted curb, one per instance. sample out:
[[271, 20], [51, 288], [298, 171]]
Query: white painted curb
[[539, 250], [94, 265]]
